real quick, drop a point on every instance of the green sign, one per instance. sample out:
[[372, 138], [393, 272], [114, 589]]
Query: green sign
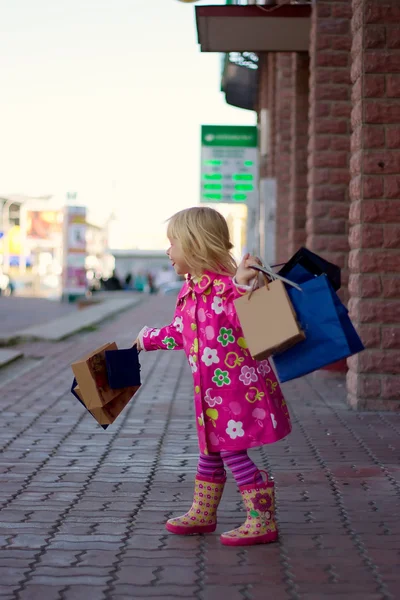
[[229, 171]]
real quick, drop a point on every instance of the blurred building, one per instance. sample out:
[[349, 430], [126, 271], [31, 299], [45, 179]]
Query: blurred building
[[323, 78]]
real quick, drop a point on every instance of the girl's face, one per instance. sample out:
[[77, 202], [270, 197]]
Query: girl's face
[[175, 255]]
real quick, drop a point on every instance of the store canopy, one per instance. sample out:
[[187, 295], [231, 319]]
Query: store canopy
[[254, 28]]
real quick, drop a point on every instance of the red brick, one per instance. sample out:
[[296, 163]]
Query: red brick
[[323, 9], [373, 136], [380, 404], [331, 159], [393, 36], [355, 188], [393, 86], [382, 12], [356, 115], [380, 262], [332, 59], [374, 86], [370, 335], [384, 111], [391, 237], [339, 211], [323, 109], [374, 36], [381, 62], [334, 26], [341, 42], [355, 212], [342, 11], [372, 186], [364, 386], [391, 337], [335, 127], [333, 93], [379, 361], [341, 109], [393, 136], [365, 286], [339, 177], [366, 236], [378, 311], [329, 226], [341, 76], [322, 142], [380, 162], [392, 186], [391, 287], [331, 243], [391, 387]]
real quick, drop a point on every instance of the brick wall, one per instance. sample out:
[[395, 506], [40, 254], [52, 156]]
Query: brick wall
[[283, 147], [271, 103], [329, 132], [299, 139], [373, 379]]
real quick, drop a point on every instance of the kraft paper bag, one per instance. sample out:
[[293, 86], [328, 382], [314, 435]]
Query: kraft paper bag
[[106, 414], [91, 375], [268, 319]]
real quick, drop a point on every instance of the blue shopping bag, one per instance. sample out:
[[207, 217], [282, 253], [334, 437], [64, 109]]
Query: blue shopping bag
[[123, 368], [330, 335]]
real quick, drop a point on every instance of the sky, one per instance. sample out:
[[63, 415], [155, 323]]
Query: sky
[[106, 98]]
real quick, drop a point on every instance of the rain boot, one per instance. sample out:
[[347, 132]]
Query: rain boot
[[202, 516], [260, 526]]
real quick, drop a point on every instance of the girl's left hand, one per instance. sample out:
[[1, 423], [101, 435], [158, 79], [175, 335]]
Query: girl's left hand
[[244, 273]]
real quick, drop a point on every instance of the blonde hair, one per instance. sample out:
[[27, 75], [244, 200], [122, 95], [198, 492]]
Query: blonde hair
[[204, 238]]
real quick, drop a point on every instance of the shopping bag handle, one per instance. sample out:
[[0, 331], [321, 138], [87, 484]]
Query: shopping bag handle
[[267, 270]]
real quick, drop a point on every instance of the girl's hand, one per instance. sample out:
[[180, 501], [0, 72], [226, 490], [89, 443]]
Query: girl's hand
[[137, 343], [244, 273]]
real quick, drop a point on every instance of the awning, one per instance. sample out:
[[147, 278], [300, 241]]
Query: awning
[[250, 28]]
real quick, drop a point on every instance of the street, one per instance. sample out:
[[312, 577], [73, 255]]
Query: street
[[82, 510]]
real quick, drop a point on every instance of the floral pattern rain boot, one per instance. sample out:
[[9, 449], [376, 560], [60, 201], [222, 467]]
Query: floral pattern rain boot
[[202, 516], [260, 526]]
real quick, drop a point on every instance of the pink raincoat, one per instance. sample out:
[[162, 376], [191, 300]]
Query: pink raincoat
[[238, 400]]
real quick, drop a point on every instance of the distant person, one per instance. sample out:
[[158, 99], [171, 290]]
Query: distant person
[[128, 281], [140, 282], [238, 401], [150, 283], [114, 283]]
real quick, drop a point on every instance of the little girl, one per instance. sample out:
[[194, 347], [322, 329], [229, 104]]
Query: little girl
[[238, 401]]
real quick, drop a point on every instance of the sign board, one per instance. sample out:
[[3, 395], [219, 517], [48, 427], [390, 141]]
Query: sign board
[[229, 169], [74, 255]]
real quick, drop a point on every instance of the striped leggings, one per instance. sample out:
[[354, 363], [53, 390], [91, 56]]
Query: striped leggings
[[243, 468]]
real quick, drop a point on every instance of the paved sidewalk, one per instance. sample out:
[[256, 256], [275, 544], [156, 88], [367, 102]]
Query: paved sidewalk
[[69, 320], [82, 511]]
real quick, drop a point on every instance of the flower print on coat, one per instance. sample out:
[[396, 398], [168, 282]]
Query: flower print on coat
[[170, 343], [235, 429], [254, 394], [210, 400], [178, 324], [192, 363], [209, 356], [221, 378], [259, 414], [263, 368], [247, 375], [225, 336], [217, 305], [210, 334]]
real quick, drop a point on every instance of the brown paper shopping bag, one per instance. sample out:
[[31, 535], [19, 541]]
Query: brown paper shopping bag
[[268, 319], [105, 415], [91, 376]]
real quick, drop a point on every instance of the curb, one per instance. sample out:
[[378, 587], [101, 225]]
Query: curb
[[8, 356], [64, 327]]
